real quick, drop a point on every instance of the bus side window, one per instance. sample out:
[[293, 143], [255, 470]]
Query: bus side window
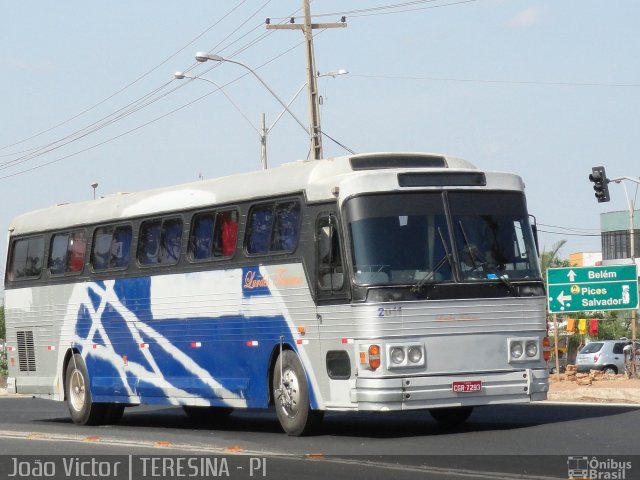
[[149, 242], [58, 254], [120, 247], [171, 242], [111, 247], [226, 233], [201, 245], [67, 253], [285, 228], [26, 258], [260, 223], [330, 269], [101, 248], [76, 251]]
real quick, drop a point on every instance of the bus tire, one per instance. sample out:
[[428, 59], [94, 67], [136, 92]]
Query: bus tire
[[82, 409], [451, 416], [292, 401]]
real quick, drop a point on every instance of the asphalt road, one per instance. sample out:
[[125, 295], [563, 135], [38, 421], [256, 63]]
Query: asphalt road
[[517, 441]]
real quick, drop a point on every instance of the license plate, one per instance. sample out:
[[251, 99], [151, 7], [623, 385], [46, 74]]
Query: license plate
[[467, 387]]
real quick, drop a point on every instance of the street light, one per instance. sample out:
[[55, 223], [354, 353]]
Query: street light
[[203, 57], [262, 132], [94, 185], [182, 75]]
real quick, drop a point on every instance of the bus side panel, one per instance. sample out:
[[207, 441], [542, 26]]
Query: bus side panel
[[201, 338]]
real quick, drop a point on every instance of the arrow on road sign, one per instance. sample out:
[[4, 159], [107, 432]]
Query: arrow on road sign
[[571, 275], [563, 298]]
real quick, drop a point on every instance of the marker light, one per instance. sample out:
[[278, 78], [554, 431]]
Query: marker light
[[546, 348], [374, 357]]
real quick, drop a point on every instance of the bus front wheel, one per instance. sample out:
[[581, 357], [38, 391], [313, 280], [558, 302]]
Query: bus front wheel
[[83, 411], [291, 396]]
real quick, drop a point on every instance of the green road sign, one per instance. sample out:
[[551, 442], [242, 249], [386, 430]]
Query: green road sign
[[575, 289]]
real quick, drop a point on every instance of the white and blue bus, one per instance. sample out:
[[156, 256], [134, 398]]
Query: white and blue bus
[[377, 282]]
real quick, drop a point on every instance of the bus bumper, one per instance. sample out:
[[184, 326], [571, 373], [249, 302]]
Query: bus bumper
[[412, 393]]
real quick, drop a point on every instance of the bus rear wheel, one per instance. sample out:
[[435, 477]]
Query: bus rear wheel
[[291, 397], [451, 416], [81, 407]]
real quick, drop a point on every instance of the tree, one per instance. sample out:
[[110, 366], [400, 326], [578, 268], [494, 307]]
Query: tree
[[551, 259]]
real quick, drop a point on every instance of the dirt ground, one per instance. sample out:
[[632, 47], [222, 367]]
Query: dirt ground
[[613, 381], [607, 389]]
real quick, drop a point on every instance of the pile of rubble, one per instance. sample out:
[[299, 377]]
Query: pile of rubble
[[585, 379]]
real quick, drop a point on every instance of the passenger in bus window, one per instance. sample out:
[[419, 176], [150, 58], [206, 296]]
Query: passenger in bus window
[[229, 232], [149, 243], [77, 248], [471, 261], [202, 245], [171, 241], [261, 223], [33, 267], [120, 246], [285, 235]]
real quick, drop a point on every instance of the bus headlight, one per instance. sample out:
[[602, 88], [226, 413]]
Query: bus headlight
[[415, 354], [524, 349], [405, 355], [397, 355], [516, 350]]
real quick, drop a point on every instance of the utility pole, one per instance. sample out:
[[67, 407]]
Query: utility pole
[[263, 141], [307, 28], [632, 244]]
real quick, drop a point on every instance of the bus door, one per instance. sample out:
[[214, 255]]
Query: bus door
[[334, 314]]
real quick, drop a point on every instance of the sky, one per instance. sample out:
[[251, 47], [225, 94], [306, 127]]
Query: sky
[[543, 89]]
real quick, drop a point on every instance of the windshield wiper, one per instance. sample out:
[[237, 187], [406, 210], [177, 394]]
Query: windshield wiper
[[428, 276]]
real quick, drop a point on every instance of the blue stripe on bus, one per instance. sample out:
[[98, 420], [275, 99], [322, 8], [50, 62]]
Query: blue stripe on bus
[[223, 353]]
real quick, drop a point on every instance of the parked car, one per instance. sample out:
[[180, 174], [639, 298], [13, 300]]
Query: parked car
[[605, 355]]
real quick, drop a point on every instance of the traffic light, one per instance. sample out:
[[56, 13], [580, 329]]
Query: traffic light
[[600, 183]]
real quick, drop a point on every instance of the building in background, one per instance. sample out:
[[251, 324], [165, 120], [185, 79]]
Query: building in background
[[616, 244], [585, 259]]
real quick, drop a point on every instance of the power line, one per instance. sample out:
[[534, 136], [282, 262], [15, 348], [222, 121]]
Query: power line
[[129, 84], [509, 82], [149, 122], [571, 234], [574, 229], [382, 9], [125, 111]]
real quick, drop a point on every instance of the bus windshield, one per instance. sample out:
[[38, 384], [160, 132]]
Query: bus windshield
[[404, 238]]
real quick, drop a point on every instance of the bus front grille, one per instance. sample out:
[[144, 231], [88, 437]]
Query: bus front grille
[[26, 352]]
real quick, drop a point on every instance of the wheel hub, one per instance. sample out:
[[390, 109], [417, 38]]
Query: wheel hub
[[289, 392], [77, 391]]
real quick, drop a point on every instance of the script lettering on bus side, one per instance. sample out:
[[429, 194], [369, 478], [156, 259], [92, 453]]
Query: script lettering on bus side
[[280, 278]]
